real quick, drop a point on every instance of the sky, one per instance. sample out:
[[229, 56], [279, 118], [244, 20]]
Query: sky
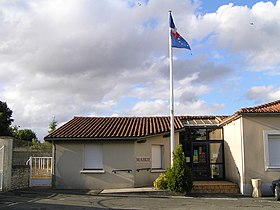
[[110, 58]]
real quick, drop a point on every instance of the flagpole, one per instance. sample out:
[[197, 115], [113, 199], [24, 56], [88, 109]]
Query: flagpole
[[175, 40], [171, 96]]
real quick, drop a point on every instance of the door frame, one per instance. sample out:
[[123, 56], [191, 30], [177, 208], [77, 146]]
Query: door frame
[[208, 161]]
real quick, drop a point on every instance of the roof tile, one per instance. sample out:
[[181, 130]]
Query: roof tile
[[114, 127], [133, 127], [273, 107], [119, 127]]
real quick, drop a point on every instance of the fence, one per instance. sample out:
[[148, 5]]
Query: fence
[[40, 171]]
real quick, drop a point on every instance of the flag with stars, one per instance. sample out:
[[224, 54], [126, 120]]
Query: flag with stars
[[177, 40]]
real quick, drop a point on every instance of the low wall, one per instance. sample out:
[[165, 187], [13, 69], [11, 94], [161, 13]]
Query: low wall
[[20, 171], [20, 177], [20, 157], [16, 174]]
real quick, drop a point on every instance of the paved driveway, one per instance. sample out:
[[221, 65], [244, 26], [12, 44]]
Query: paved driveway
[[55, 199]]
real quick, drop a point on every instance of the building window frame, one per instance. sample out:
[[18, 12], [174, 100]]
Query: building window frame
[[92, 159], [269, 165], [157, 154]]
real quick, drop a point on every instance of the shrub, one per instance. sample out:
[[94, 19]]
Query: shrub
[[46, 146], [161, 182], [178, 177], [176, 174]]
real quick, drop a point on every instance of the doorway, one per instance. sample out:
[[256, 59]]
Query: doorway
[[207, 160]]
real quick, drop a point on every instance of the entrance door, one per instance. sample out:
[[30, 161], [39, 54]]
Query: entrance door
[[207, 160], [216, 153], [200, 162]]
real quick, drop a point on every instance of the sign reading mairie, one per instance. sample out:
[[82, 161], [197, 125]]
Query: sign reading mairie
[[143, 159]]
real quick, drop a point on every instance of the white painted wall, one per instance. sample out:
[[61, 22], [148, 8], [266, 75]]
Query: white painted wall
[[116, 155], [254, 128], [144, 177], [244, 141], [7, 142], [233, 153]]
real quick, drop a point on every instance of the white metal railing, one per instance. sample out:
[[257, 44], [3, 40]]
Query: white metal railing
[[40, 170]]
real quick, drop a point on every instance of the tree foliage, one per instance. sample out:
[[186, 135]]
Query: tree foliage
[[176, 174], [161, 182], [46, 146], [5, 119], [178, 177], [52, 125], [25, 135]]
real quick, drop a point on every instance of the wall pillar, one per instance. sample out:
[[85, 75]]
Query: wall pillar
[[7, 142]]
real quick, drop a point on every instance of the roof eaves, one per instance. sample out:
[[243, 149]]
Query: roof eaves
[[162, 134], [78, 139], [231, 118], [241, 113], [92, 139], [260, 113]]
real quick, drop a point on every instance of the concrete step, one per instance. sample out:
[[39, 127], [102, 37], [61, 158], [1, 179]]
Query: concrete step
[[215, 187], [140, 190], [199, 187]]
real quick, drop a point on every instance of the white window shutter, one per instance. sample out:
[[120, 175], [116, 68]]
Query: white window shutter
[[273, 148], [156, 156], [93, 156]]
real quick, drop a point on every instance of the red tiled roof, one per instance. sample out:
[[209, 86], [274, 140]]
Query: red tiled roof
[[137, 127], [268, 108], [273, 107], [114, 127]]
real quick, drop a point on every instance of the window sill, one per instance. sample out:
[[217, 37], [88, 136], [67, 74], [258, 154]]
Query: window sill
[[92, 171], [158, 170], [271, 168]]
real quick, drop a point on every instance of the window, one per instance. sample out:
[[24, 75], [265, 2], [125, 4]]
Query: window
[[271, 150], [93, 158], [157, 157], [204, 134]]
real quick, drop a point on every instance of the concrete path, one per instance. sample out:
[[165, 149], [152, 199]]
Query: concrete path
[[131, 198]]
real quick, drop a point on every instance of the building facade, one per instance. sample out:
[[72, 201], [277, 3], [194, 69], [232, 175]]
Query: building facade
[[117, 152], [252, 144]]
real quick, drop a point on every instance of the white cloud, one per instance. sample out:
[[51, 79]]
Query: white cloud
[[157, 107], [197, 107], [86, 57], [263, 94], [252, 32]]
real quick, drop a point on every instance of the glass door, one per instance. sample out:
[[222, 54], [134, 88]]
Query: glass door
[[216, 160], [207, 160], [200, 162]]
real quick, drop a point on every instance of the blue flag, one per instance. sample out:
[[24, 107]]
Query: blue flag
[[177, 40]]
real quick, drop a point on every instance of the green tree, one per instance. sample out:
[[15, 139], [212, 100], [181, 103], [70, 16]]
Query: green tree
[[46, 146], [5, 119], [25, 135], [52, 125], [14, 130], [176, 174]]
